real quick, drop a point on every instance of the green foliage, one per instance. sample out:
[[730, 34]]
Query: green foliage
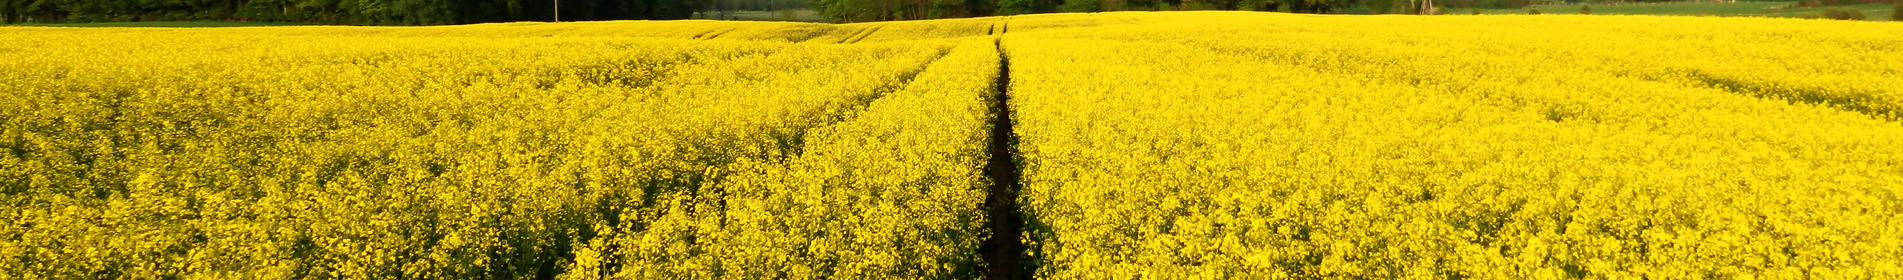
[[848, 10], [1842, 14], [1818, 3], [1497, 4], [872, 10], [426, 12], [368, 12], [1081, 6], [1750, 9], [861, 10], [1461, 4], [1013, 7], [1392, 6], [197, 23], [1585, 9]]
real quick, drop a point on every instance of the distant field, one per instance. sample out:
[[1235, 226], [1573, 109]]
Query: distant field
[[1762, 9], [161, 24], [800, 15], [1118, 145]]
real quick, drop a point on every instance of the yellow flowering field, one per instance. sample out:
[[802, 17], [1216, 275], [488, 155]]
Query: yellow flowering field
[[483, 151], [1495, 147], [1152, 145]]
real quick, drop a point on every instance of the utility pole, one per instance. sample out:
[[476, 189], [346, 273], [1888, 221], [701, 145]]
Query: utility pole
[[558, 10]]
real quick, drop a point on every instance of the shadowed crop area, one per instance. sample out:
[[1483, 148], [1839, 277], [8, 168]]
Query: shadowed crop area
[[1170, 145]]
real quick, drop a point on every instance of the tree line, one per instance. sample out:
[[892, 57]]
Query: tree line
[[877, 10], [428, 12], [363, 12]]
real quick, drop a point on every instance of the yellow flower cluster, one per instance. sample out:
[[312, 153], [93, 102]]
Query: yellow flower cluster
[[1207, 145], [483, 152], [1239, 145]]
